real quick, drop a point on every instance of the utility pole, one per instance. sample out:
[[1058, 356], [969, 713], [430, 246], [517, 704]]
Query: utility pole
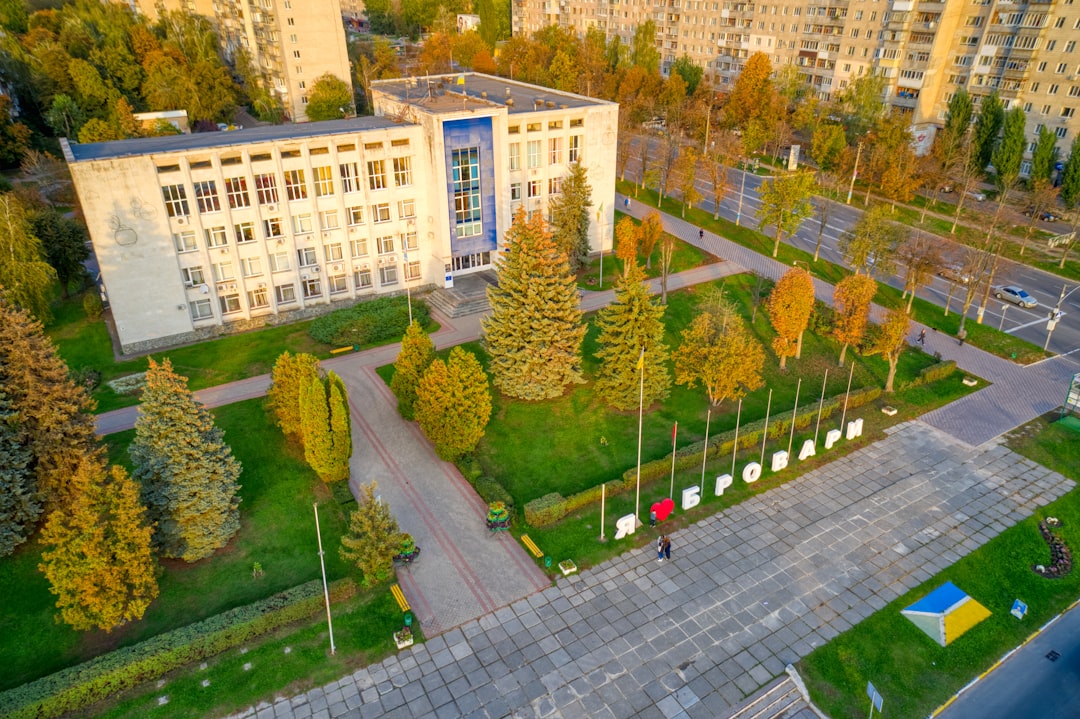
[[1052, 321], [854, 173], [742, 186]]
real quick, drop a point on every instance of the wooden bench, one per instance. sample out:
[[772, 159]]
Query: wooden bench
[[531, 546], [339, 350], [400, 597]]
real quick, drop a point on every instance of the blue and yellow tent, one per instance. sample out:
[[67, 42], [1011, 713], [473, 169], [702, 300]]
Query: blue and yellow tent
[[946, 613]]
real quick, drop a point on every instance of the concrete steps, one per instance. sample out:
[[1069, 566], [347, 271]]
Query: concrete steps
[[468, 296]]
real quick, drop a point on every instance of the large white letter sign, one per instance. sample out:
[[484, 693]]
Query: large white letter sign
[[831, 438], [691, 497], [751, 473], [807, 450], [779, 460], [854, 429], [625, 525], [722, 483]]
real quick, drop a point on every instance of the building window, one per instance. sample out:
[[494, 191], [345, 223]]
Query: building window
[[1068, 111], [324, 181], [356, 215], [216, 237], [534, 153], [295, 189], [376, 174], [185, 241], [229, 303], [402, 171], [515, 156], [258, 298], [349, 177], [193, 276], [206, 196], [306, 256], [284, 294], [412, 271], [362, 278], [466, 175], [1061, 68], [236, 190], [380, 213], [1062, 132], [575, 148], [333, 252], [534, 188], [406, 209], [337, 284], [311, 288], [251, 266], [279, 261], [201, 309], [554, 185], [358, 247], [244, 231], [329, 219], [272, 228], [266, 189], [175, 200], [223, 271], [388, 275], [409, 243], [1053, 90], [386, 244], [554, 150], [515, 191], [301, 224]]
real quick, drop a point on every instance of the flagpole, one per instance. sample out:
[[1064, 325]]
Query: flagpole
[[821, 405], [705, 452], [641, 409], [794, 414], [765, 434], [326, 591], [735, 446], [674, 434], [843, 415], [603, 501]]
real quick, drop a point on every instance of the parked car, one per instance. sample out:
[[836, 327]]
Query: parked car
[[1045, 215], [657, 124], [954, 273], [1017, 296], [975, 195]]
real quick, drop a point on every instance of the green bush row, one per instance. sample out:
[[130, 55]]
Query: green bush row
[[80, 686], [552, 507], [933, 373], [491, 491], [378, 320]]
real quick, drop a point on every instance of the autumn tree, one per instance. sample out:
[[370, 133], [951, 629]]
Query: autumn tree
[[19, 504], [649, 233], [453, 404], [372, 538], [891, 341], [627, 236], [326, 451], [725, 153], [751, 92], [851, 300], [790, 305], [667, 255], [686, 178], [631, 325], [570, 216], [417, 352], [534, 332], [785, 203], [340, 425], [921, 257], [727, 361], [25, 277], [290, 373], [870, 247], [97, 555], [187, 472]]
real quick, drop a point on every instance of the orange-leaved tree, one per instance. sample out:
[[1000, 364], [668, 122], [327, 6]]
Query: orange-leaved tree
[[891, 341], [626, 242], [852, 298], [650, 232], [790, 304]]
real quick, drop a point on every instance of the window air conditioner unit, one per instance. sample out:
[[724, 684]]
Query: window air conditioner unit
[[181, 307], [232, 286], [336, 268], [271, 208], [262, 285], [182, 220], [326, 234], [281, 240], [224, 250]]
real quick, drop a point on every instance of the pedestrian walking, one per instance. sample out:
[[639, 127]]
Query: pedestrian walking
[[962, 334], [626, 203], [922, 338], [701, 234], [667, 547], [660, 548]]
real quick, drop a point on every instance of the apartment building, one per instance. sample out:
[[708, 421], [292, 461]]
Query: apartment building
[[197, 235], [291, 42], [925, 50]]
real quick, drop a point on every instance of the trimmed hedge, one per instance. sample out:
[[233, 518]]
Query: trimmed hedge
[[491, 491], [933, 373], [80, 686], [377, 320], [552, 507]]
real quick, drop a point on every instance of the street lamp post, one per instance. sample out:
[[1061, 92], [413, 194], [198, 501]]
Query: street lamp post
[[742, 187], [1052, 321]]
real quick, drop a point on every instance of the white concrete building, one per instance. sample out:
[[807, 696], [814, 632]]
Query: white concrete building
[[198, 235]]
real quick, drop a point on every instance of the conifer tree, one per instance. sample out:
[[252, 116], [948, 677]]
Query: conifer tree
[[373, 537], [790, 305], [634, 322], [534, 332], [318, 442], [53, 412], [19, 505], [290, 373], [852, 298], [340, 427], [25, 276], [570, 216], [453, 404], [188, 474], [97, 554], [416, 354]]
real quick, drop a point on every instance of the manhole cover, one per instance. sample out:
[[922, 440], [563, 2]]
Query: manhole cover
[[1053, 656]]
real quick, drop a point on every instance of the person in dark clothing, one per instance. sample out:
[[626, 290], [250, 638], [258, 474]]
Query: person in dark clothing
[[667, 547], [701, 234], [922, 338]]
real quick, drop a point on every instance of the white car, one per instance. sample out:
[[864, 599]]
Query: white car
[[1017, 296]]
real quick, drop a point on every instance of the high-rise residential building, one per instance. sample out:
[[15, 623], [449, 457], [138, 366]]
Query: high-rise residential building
[[291, 43], [196, 235], [924, 50]]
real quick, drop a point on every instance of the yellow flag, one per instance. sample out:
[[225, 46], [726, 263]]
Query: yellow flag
[[641, 360], [461, 80]]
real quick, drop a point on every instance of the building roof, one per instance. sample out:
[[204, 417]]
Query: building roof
[[208, 140], [443, 93]]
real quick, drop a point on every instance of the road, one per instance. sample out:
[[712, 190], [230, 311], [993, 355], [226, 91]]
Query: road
[[742, 203]]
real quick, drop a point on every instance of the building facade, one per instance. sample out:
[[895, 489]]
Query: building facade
[[196, 235], [291, 43], [924, 50]]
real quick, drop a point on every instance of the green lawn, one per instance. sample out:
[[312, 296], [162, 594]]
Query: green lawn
[[913, 673], [277, 530]]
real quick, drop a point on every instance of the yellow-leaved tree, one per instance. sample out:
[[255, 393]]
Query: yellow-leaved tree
[[851, 299], [727, 360], [790, 305], [891, 341]]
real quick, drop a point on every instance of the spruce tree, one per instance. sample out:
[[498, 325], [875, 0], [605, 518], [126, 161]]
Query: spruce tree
[[416, 354], [534, 332], [570, 216], [340, 427], [97, 554], [188, 474], [19, 505], [53, 412], [627, 326], [373, 537], [453, 404], [290, 373]]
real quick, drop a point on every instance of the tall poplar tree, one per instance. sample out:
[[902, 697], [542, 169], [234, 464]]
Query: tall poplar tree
[[632, 323], [851, 298], [987, 127], [19, 505], [188, 474], [534, 332], [570, 216], [790, 305], [340, 426], [97, 554], [453, 404], [290, 373], [25, 277], [417, 352]]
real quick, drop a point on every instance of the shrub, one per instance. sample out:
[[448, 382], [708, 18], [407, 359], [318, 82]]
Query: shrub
[[545, 510], [77, 687], [92, 306], [377, 320], [821, 319], [491, 491]]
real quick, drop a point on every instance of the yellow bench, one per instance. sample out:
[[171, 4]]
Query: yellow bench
[[400, 597], [339, 350], [531, 546]]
